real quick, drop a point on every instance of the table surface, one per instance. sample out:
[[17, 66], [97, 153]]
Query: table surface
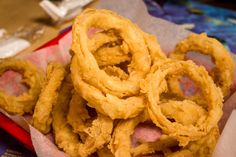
[[15, 14]]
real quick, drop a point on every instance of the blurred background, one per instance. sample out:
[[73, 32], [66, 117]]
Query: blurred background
[[32, 23]]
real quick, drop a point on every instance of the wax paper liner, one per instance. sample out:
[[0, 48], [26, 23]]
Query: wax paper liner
[[168, 35]]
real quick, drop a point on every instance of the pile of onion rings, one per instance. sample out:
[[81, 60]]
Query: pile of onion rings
[[119, 79]]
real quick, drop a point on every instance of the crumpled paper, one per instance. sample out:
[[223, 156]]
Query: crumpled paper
[[168, 35], [227, 142]]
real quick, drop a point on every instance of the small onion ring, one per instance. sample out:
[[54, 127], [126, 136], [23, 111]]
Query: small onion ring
[[212, 95], [223, 73], [32, 77]]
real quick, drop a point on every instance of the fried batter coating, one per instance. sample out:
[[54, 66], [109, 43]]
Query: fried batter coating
[[98, 133], [185, 112], [32, 77], [108, 49], [96, 64], [77, 114], [131, 35], [110, 56], [116, 72], [64, 137], [212, 95], [203, 147], [121, 108], [223, 73], [104, 152], [42, 114], [121, 139]]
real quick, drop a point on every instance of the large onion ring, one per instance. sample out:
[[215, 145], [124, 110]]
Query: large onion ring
[[42, 119], [132, 36], [104, 90], [32, 77], [223, 73], [212, 95]]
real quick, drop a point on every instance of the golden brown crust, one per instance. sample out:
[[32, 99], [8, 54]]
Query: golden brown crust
[[96, 135], [42, 113], [223, 72], [212, 95], [32, 77]]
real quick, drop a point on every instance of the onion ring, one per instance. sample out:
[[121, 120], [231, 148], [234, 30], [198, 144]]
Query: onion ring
[[131, 35], [120, 143], [121, 139], [64, 137], [223, 73], [32, 77], [125, 128], [107, 104], [107, 90], [42, 113], [212, 95], [98, 134], [178, 111]]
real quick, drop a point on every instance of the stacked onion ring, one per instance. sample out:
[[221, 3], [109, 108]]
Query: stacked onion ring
[[212, 95], [110, 95]]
